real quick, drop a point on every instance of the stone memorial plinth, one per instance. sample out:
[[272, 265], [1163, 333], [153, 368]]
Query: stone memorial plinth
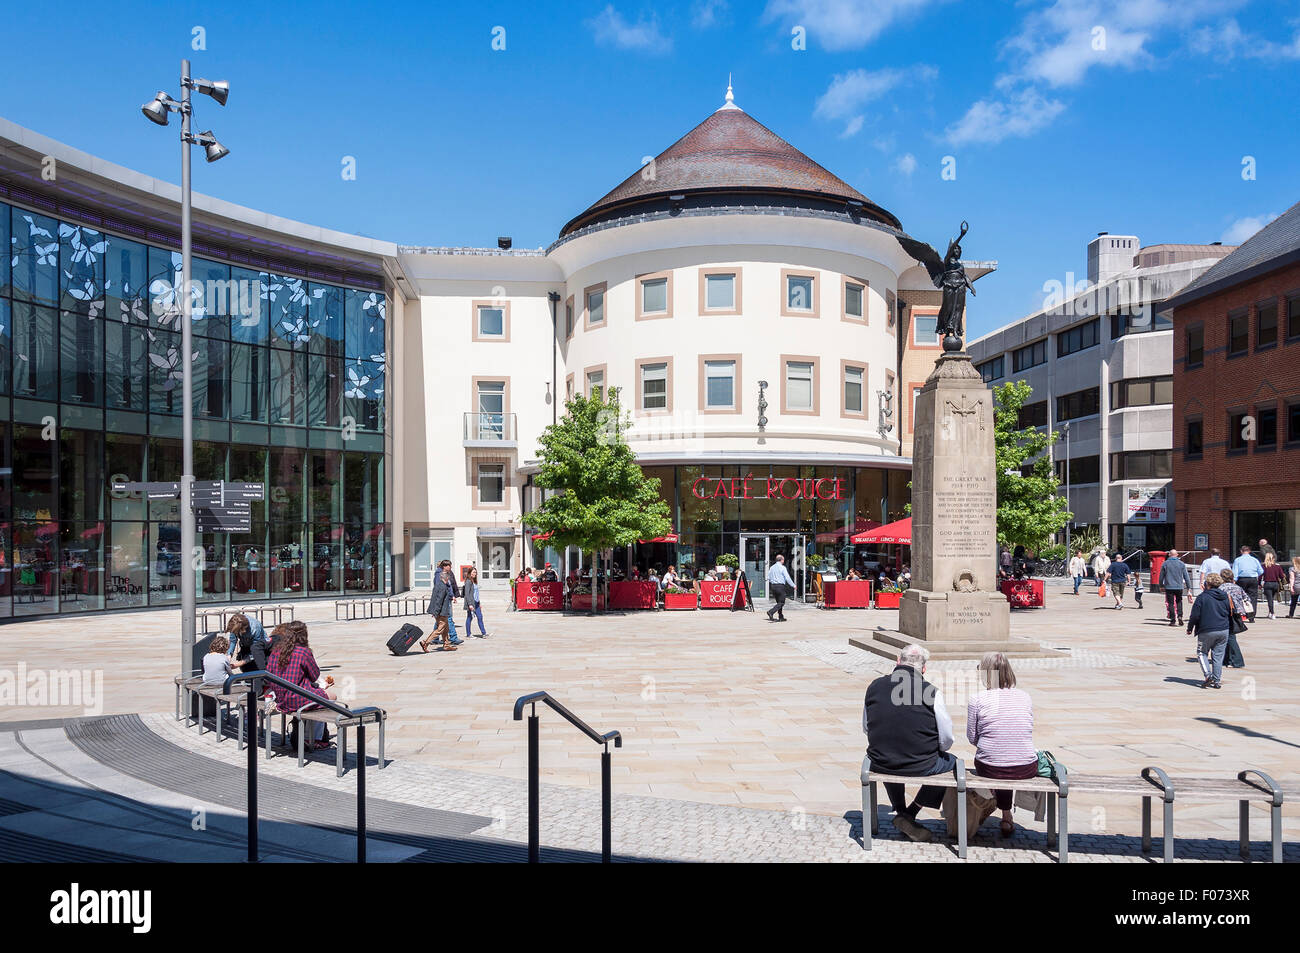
[[954, 607]]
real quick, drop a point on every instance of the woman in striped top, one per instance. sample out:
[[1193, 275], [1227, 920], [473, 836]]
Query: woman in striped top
[[1000, 724]]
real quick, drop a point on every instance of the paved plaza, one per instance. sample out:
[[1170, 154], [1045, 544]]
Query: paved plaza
[[742, 738]]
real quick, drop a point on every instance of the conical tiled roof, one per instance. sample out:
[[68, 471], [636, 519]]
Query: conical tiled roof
[[729, 153]]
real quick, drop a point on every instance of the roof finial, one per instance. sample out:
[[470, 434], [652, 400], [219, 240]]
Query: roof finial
[[731, 99]]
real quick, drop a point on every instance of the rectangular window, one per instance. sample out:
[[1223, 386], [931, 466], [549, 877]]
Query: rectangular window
[[853, 382], [798, 385], [1266, 325], [1077, 339], [1141, 465], [1082, 470], [1196, 346], [1238, 333], [596, 307], [1236, 433], [568, 318], [720, 292], [853, 299], [1293, 317], [654, 386], [799, 293], [1139, 322], [1141, 392], [891, 309], [1081, 403], [1031, 355], [1195, 445], [491, 410], [654, 296], [1293, 423], [491, 483], [925, 329], [1266, 428], [992, 370], [491, 322], [719, 385], [596, 384], [1032, 415]]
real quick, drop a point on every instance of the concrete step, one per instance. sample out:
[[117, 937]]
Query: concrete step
[[886, 643]]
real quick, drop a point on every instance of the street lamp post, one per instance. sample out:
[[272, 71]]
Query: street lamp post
[[1065, 432], [158, 110]]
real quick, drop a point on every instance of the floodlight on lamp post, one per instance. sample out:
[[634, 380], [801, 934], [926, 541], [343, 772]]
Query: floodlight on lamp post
[[159, 111]]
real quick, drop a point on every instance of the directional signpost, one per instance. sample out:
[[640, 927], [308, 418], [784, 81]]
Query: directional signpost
[[219, 507]]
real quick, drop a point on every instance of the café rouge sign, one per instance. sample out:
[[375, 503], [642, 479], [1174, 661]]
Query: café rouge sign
[[768, 488]]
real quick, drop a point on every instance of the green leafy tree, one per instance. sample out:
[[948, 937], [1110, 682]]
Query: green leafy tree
[[602, 498], [1029, 509]]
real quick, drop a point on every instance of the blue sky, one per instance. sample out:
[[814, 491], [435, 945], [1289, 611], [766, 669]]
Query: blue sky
[[1064, 118]]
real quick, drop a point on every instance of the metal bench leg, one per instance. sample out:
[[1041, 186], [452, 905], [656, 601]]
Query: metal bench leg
[[961, 824], [302, 739], [178, 701], [1146, 825], [1167, 832], [1051, 819], [1277, 833], [340, 751], [1243, 810], [243, 723], [1063, 853], [875, 810], [381, 743], [868, 814]]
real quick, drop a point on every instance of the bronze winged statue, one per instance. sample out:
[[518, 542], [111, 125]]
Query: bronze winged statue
[[949, 276]]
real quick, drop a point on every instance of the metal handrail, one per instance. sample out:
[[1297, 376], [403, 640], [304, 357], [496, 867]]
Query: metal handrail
[[252, 679], [534, 768]]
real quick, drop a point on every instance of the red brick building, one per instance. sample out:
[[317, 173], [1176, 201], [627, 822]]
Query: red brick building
[[1237, 396]]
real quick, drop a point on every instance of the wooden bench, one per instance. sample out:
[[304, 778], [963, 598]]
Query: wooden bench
[[341, 723], [1151, 782], [1057, 800]]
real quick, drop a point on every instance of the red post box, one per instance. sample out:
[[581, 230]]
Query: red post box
[[1157, 560]]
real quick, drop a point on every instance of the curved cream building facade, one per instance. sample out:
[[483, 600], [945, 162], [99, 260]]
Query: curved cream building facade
[[731, 268]]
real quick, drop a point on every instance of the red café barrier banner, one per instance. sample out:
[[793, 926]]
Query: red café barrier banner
[[718, 595], [1025, 593], [847, 593], [539, 595], [632, 594], [768, 488]]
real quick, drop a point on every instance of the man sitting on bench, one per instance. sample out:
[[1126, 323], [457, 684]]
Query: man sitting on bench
[[908, 732]]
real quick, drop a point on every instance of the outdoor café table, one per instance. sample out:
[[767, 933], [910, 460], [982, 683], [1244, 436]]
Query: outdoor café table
[[717, 594], [1025, 593], [539, 595], [847, 593], [632, 594]]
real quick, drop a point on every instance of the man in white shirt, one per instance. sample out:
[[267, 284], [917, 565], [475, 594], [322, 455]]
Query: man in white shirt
[[778, 578], [1213, 564], [1077, 568], [909, 731]]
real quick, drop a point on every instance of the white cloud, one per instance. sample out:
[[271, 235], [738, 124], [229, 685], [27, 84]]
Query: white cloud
[[850, 92], [1227, 41], [610, 28], [843, 24], [989, 121], [905, 164], [1243, 228], [707, 13]]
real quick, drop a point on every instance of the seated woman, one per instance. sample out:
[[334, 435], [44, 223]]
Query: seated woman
[[1000, 724], [294, 661], [853, 576]]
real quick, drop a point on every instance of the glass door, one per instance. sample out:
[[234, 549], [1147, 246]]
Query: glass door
[[491, 410], [792, 547], [425, 556], [494, 562], [754, 561]]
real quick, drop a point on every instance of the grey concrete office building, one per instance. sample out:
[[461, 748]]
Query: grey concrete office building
[[1099, 358]]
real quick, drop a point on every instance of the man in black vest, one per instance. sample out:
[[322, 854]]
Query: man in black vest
[[908, 732]]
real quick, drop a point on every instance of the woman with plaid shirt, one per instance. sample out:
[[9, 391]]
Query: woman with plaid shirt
[[293, 661]]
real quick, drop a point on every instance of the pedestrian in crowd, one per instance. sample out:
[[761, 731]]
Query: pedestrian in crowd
[[1265, 549], [1210, 619], [549, 574], [1237, 596], [249, 645], [1272, 580], [1000, 724], [1295, 585], [526, 575], [909, 732], [1138, 591], [473, 604], [1117, 574], [1004, 563], [1215, 563], [440, 608], [1100, 563], [1247, 570], [295, 662], [216, 663], [780, 586], [1077, 568], [1174, 582], [455, 594]]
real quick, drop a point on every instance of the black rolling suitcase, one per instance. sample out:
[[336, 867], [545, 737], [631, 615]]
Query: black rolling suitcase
[[403, 639]]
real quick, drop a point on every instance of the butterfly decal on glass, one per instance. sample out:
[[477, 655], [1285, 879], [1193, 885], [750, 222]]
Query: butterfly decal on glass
[[171, 364], [356, 383]]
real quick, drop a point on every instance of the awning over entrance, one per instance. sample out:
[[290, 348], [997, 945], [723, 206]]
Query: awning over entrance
[[859, 526], [899, 533], [670, 538]]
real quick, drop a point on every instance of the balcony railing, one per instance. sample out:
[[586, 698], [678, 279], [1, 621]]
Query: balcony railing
[[489, 429]]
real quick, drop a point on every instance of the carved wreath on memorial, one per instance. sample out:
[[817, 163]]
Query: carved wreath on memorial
[[964, 581]]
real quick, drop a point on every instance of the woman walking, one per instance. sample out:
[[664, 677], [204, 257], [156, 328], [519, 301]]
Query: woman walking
[[1237, 596], [473, 604], [1273, 577]]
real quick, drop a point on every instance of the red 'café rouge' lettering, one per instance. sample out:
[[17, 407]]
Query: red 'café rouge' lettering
[[768, 488]]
